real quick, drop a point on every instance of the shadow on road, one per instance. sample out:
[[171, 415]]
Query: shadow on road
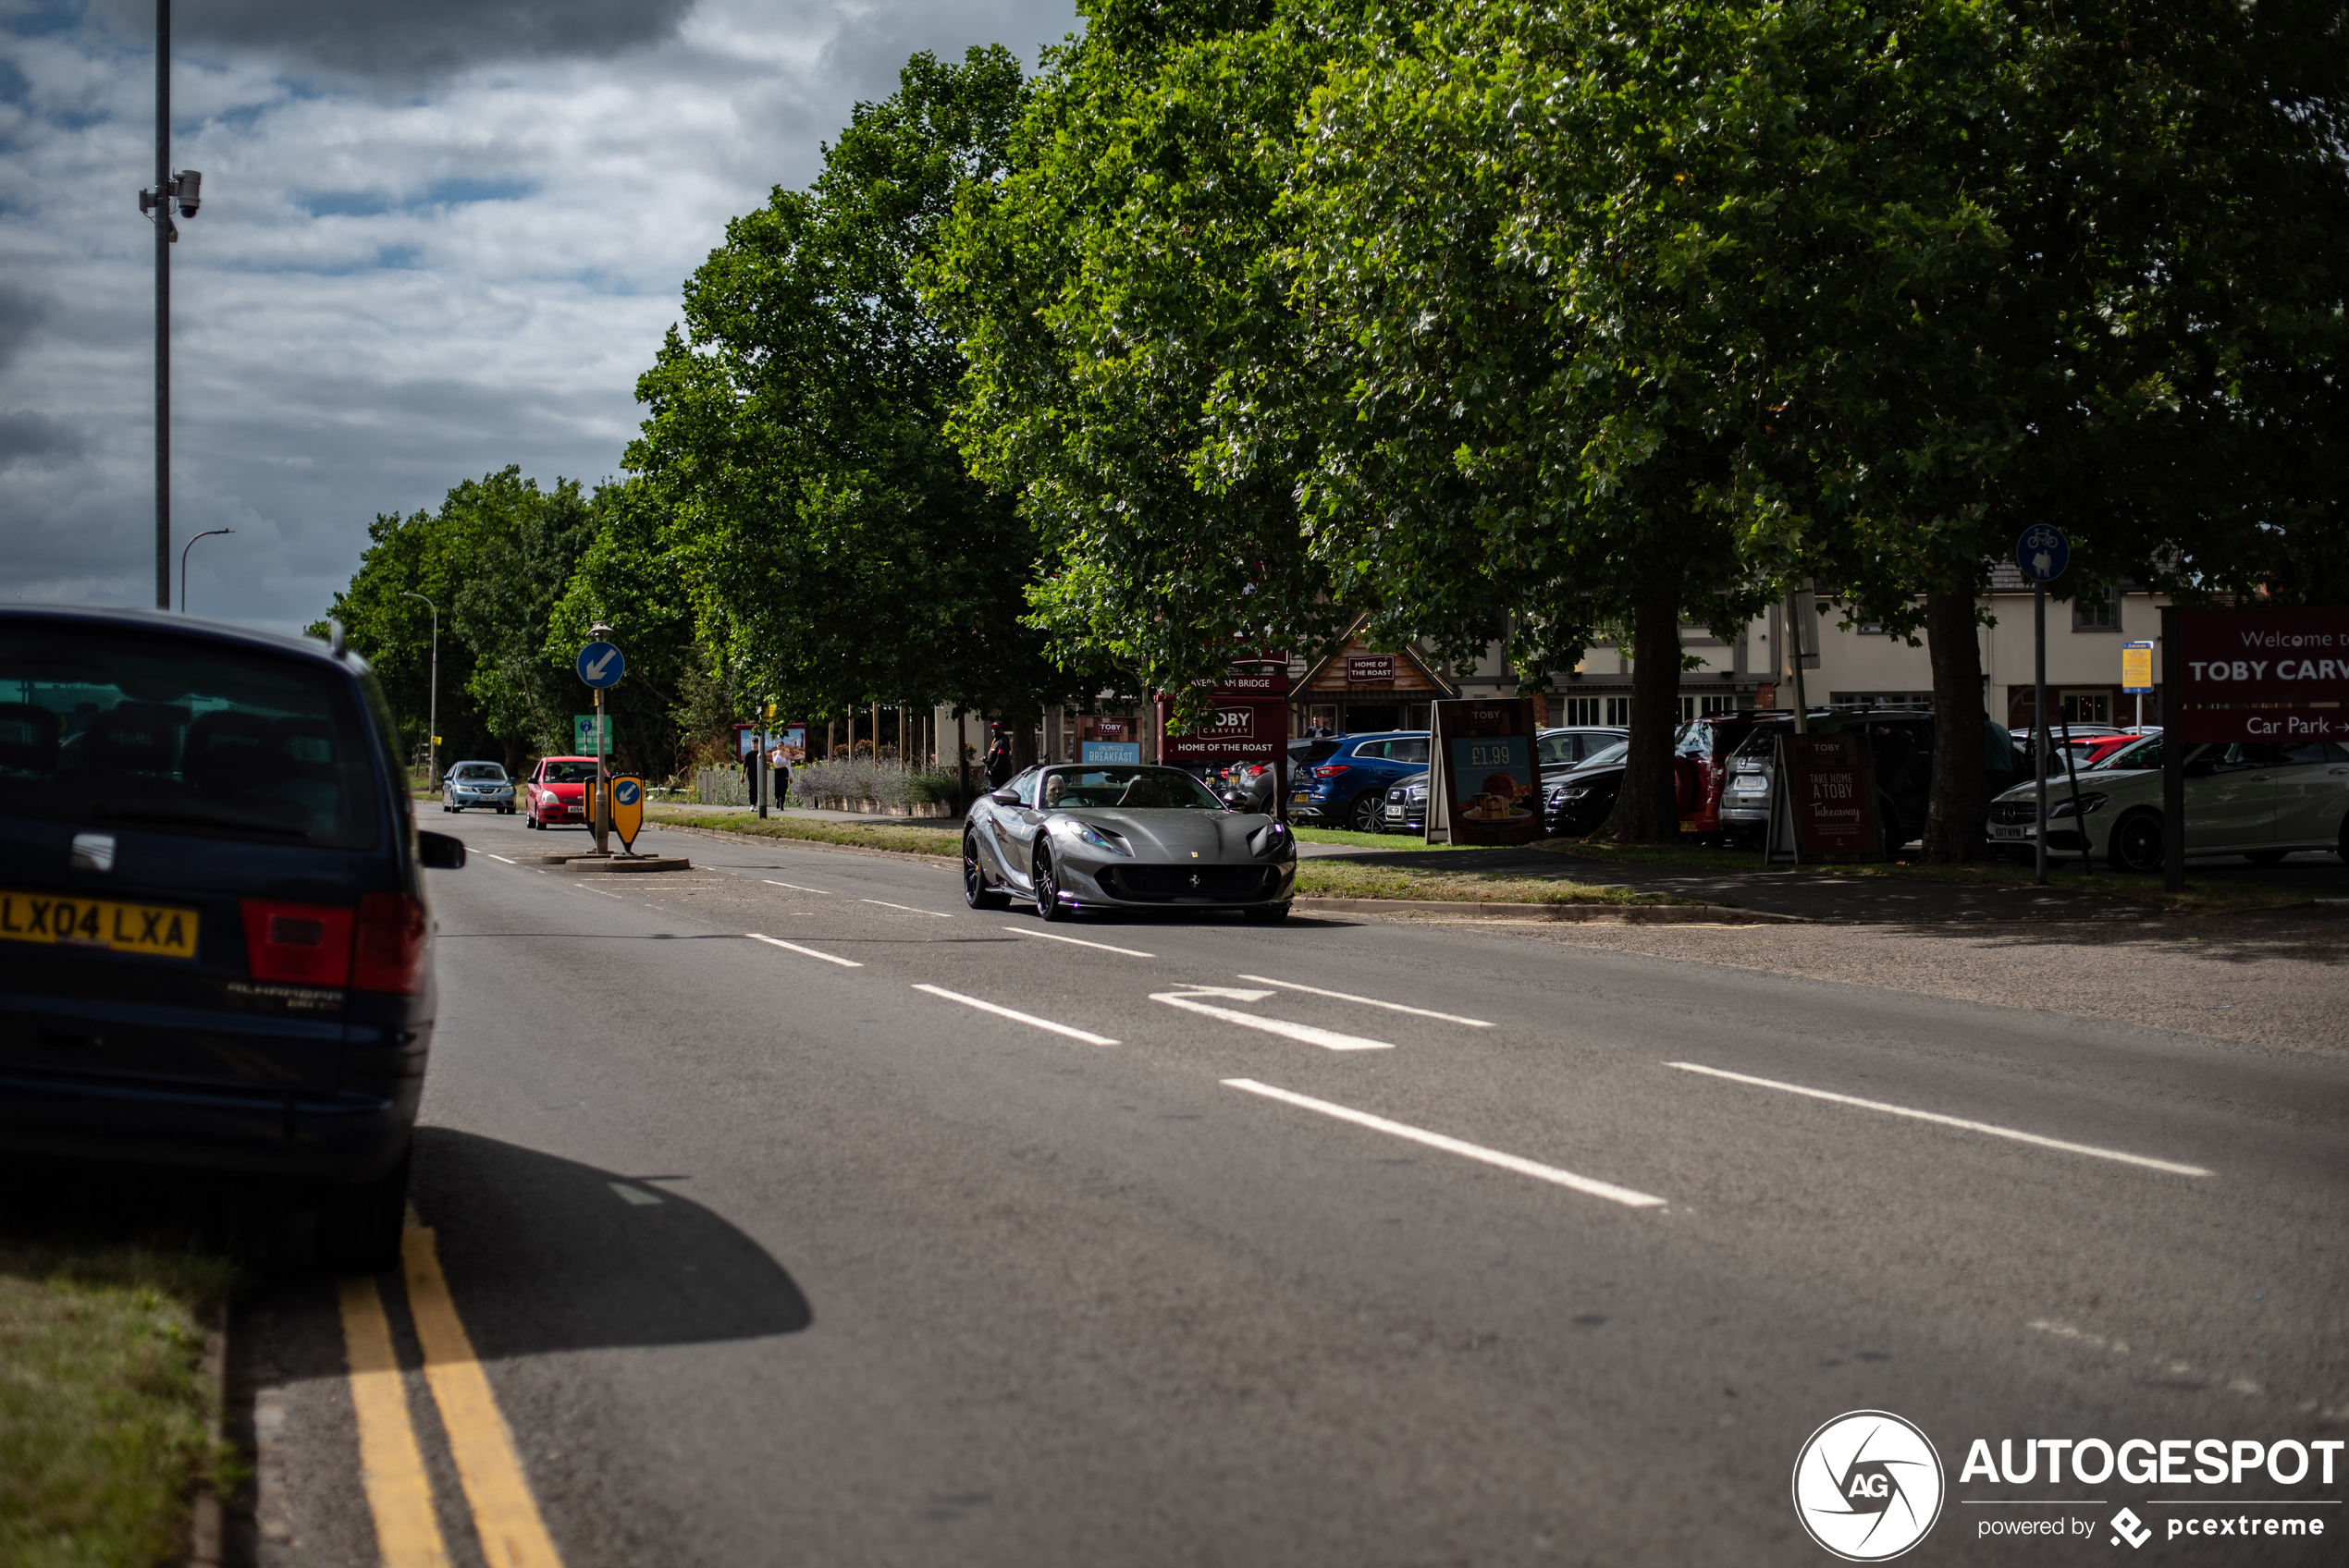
[[545, 1253]]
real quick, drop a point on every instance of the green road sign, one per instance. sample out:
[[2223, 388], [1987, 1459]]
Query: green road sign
[[582, 734]]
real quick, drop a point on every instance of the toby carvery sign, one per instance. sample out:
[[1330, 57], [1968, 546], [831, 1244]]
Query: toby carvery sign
[[2260, 673], [1234, 729], [1490, 781]]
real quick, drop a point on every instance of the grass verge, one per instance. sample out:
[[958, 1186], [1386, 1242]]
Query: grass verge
[[1398, 841], [2206, 897], [102, 1403], [1343, 879], [875, 836]]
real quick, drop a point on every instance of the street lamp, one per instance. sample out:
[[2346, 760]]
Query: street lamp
[[155, 200], [183, 563], [431, 710]]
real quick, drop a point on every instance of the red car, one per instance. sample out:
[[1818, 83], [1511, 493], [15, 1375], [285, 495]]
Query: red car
[[1700, 764], [555, 794]]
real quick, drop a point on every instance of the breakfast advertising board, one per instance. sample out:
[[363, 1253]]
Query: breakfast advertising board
[[1484, 773]]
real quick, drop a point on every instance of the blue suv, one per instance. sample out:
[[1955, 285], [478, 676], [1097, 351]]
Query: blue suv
[[1347, 789]]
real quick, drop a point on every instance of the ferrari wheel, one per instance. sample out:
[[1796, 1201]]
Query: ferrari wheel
[[1048, 888], [975, 892]]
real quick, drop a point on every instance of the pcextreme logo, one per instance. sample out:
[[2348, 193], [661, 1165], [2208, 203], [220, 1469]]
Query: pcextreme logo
[[1868, 1485]]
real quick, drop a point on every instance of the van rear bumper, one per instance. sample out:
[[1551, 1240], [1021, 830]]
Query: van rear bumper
[[352, 1135]]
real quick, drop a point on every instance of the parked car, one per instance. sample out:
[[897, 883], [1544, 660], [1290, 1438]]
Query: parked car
[[1560, 750], [1700, 752], [214, 945], [1577, 801], [2260, 801], [1405, 806], [556, 792], [472, 784], [1900, 743], [1093, 837], [1347, 788]]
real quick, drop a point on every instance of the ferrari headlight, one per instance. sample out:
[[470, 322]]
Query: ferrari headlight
[[1086, 833], [1273, 842], [2088, 803]]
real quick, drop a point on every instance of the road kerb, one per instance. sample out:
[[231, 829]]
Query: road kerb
[[1620, 914]]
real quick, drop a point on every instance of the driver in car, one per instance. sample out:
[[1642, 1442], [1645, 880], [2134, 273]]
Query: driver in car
[[1054, 786]]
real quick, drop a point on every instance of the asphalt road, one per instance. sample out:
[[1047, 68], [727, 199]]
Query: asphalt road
[[773, 1256]]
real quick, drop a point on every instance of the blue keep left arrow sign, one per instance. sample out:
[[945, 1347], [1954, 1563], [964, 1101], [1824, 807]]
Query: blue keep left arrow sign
[[600, 665]]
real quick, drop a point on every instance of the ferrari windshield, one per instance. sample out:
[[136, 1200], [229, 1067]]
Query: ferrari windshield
[[1156, 789]]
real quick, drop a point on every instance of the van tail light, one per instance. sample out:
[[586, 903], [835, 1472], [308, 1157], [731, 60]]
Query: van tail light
[[1330, 772], [300, 944], [388, 951]]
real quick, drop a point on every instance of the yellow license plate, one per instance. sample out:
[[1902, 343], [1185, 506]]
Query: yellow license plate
[[154, 930]]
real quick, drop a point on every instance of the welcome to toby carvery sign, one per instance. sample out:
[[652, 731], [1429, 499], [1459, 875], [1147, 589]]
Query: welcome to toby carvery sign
[[2261, 674]]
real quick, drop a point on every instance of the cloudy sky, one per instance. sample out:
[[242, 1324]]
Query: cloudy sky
[[437, 236]]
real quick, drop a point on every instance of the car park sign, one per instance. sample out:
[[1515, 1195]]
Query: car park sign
[[2261, 674], [2136, 669]]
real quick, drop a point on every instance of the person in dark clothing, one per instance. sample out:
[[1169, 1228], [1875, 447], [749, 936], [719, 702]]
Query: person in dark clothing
[[999, 767]]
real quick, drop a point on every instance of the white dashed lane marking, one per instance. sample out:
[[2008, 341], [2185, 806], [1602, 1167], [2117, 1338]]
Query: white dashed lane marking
[[909, 909], [1958, 1121], [1367, 1001], [1523, 1167], [1077, 941], [1074, 1034], [795, 947], [1328, 1039]]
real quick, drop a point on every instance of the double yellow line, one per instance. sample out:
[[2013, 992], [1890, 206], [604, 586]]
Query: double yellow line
[[392, 1463]]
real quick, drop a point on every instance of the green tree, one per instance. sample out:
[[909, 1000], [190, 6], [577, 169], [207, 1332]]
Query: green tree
[[835, 548], [1120, 281], [629, 581]]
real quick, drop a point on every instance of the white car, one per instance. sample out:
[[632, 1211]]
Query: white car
[[2258, 799]]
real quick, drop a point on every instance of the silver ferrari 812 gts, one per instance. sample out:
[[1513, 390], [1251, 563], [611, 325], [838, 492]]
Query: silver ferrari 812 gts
[[1080, 837]]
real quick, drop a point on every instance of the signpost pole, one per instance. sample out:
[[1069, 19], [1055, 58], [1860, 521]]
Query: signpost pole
[[2039, 718], [2173, 762], [602, 817]]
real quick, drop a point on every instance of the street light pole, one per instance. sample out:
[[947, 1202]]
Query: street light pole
[[432, 708], [157, 199], [163, 305], [183, 563]]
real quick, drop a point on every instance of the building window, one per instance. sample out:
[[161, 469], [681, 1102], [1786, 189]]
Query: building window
[[1618, 712], [2087, 708], [1881, 699], [1705, 705], [1583, 710], [2099, 612]]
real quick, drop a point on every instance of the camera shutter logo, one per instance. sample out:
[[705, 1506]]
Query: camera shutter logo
[[1868, 1485]]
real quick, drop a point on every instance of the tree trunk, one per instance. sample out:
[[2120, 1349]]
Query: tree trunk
[[1646, 811], [1961, 804]]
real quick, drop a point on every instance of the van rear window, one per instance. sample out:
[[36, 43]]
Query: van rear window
[[180, 735]]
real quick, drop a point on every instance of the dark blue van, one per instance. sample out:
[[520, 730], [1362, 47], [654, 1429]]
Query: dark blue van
[[1347, 789], [214, 945]]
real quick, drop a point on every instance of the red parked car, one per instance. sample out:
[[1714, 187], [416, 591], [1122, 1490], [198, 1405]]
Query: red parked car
[[1700, 764], [555, 794]]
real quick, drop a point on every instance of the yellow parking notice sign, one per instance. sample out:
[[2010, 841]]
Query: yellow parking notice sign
[[2136, 667], [627, 810]]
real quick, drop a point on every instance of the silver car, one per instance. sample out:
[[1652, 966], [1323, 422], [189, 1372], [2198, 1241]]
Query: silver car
[[1074, 839], [471, 784]]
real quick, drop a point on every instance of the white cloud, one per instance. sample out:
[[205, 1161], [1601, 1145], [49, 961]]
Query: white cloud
[[431, 245]]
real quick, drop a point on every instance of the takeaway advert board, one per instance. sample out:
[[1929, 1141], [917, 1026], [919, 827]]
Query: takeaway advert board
[[1829, 783], [1483, 773]]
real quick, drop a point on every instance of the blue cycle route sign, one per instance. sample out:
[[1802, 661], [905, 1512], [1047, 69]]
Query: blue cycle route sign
[[600, 665], [2043, 552]]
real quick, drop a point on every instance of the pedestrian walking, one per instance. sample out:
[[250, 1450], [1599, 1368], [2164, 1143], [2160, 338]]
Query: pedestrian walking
[[998, 758]]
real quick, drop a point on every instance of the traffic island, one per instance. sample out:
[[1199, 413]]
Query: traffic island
[[591, 861]]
